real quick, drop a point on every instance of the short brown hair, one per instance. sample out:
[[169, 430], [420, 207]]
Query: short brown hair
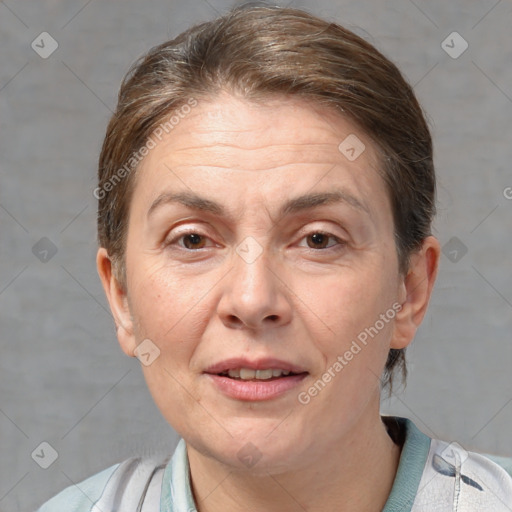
[[257, 52]]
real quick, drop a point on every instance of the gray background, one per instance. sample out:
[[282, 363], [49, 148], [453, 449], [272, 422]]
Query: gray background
[[63, 378]]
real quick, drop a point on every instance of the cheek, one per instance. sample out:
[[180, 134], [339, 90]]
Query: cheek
[[159, 296], [349, 322], [349, 302], [165, 310]]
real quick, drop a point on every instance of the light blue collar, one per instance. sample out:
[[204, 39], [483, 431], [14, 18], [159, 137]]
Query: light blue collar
[[410, 468], [176, 488]]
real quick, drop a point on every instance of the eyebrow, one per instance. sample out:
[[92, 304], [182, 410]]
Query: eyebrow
[[298, 204]]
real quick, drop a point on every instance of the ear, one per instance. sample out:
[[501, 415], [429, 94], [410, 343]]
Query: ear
[[415, 291], [118, 302]]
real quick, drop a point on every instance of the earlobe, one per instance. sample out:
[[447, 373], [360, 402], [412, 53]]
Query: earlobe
[[118, 302], [415, 292]]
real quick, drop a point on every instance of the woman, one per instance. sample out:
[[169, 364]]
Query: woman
[[266, 192]]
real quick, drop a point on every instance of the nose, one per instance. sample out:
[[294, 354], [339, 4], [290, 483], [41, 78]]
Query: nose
[[254, 295]]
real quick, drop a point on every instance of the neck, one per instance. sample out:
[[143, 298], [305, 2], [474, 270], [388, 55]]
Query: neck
[[355, 473]]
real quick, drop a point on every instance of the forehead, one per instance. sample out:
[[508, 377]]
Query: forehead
[[275, 129], [257, 147]]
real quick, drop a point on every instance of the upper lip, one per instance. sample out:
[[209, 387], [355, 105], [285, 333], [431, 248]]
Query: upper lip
[[256, 364]]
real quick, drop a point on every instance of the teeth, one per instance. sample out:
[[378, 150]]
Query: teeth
[[249, 374], [264, 374]]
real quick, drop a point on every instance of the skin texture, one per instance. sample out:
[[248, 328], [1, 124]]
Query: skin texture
[[300, 300]]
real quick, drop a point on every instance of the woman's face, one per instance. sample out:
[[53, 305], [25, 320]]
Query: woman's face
[[257, 242]]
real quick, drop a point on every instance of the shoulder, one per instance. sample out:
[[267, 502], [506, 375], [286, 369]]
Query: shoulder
[[469, 479], [119, 486], [82, 496], [504, 462], [434, 474]]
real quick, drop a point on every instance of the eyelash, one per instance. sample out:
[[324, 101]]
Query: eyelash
[[340, 243]]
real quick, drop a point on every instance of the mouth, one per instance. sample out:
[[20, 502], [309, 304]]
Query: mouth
[[264, 379], [248, 374]]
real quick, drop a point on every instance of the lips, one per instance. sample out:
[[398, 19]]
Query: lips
[[256, 380]]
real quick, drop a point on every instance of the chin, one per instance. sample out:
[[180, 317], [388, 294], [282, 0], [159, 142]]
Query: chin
[[257, 449]]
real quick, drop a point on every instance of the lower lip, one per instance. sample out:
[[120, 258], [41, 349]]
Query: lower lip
[[256, 390]]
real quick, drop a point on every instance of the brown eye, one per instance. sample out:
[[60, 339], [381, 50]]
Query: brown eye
[[319, 240], [193, 241], [189, 241]]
